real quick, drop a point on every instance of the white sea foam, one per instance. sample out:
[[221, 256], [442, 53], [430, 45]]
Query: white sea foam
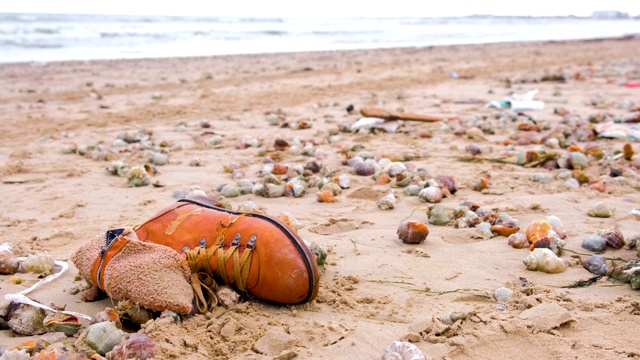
[[41, 37]]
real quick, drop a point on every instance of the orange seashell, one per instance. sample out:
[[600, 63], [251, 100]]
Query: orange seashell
[[506, 228], [528, 127], [537, 230], [574, 148], [279, 169], [383, 179], [482, 183], [412, 232], [597, 184], [325, 196]]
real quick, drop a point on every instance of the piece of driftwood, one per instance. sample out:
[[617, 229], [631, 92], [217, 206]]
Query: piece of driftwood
[[396, 115]]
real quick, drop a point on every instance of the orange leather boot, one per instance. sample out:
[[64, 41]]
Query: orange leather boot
[[251, 252]]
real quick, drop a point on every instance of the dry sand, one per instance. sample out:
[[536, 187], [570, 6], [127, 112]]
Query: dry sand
[[374, 289]]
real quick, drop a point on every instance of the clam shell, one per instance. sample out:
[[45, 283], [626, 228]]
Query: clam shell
[[103, 337], [613, 236], [25, 319], [596, 264], [595, 243], [133, 346], [542, 259], [412, 232], [430, 194], [402, 350]]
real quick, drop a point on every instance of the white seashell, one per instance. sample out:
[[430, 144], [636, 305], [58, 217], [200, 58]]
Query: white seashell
[[431, 194], [387, 202], [502, 294], [227, 296], [39, 263], [15, 354], [103, 336], [344, 181], [159, 159], [543, 259], [402, 350], [601, 210], [230, 191], [635, 213], [138, 176], [395, 168]]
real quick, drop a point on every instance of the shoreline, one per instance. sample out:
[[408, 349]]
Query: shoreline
[[374, 289]]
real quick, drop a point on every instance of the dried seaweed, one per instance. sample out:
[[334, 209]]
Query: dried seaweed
[[584, 283]]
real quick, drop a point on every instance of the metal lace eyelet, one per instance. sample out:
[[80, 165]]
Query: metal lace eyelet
[[202, 243], [252, 242], [236, 240], [185, 249]]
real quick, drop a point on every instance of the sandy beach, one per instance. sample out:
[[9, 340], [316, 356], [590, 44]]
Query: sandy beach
[[224, 113]]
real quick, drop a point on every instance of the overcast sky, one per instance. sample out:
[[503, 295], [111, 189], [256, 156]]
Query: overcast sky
[[322, 8]]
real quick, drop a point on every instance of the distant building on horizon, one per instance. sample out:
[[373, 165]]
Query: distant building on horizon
[[610, 14]]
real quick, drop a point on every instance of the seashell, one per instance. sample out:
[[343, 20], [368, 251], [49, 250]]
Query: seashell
[[387, 202], [134, 346], [270, 190], [635, 213], [138, 176], [556, 225], [634, 278], [129, 311], [518, 241], [542, 178], [413, 190], [402, 350], [279, 169], [312, 167], [486, 215], [25, 319], [364, 169], [344, 181], [59, 322], [395, 168], [38, 263], [482, 183], [485, 228], [159, 159], [468, 220], [230, 191], [195, 162], [502, 294], [601, 210], [333, 187], [213, 141], [383, 179], [108, 314], [571, 184], [320, 254], [244, 186], [103, 337], [580, 176], [595, 243], [537, 230], [325, 196], [598, 185], [632, 242], [506, 228], [9, 263], [281, 144], [473, 149], [470, 205], [542, 259], [412, 232], [295, 188], [551, 242], [613, 236], [430, 194], [438, 215], [168, 314], [227, 296], [447, 183], [596, 264]]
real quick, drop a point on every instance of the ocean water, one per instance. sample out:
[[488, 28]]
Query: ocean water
[[46, 37]]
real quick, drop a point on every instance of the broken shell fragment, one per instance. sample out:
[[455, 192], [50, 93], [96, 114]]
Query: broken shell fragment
[[601, 210], [596, 264], [227, 296], [412, 232], [9, 263], [542, 259], [613, 236]]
